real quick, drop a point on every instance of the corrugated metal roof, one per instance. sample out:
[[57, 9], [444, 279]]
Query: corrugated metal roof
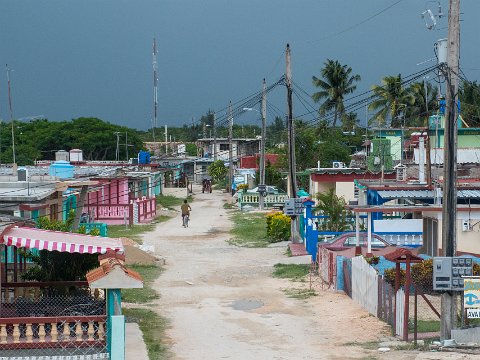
[[424, 194]]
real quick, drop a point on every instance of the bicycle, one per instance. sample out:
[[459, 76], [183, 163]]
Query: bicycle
[[186, 219]]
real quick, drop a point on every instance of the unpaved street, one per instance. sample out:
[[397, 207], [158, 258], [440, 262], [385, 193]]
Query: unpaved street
[[223, 303]]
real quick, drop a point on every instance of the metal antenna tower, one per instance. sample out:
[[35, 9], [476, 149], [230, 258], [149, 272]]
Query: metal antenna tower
[[11, 111], [155, 91]]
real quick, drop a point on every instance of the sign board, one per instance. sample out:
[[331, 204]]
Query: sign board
[[471, 296], [449, 272], [473, 313]]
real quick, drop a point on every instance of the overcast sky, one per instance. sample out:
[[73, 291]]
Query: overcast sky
[[94, 58]]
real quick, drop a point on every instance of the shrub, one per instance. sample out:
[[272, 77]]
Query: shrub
[[422, 275], [278, 227], [241, 187], [389, 276], [372, 260]]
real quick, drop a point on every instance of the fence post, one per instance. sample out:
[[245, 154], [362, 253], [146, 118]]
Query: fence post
[[415, 317]]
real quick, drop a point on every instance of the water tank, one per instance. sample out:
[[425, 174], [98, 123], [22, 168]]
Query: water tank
[[441, 50], [61, 169], [144, 157], [76, 155], [62, 155]]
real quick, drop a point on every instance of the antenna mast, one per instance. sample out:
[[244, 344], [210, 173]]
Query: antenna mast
[[11, 111], [155, 92]]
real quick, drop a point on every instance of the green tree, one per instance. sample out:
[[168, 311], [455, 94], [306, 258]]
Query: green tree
[[393, 99], [469, 96], [334, 207], [417, 114], [335, 82], [60, 266], [217, 170]]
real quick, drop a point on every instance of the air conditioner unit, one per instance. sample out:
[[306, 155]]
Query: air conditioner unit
[[338, 165]]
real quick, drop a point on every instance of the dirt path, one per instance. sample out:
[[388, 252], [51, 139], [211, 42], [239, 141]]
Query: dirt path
[[223, 303]]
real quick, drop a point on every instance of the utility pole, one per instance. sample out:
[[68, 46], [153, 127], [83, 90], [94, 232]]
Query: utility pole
[[214, 137], [11, 111], [291, 141], [262, 143], [155, 88], [449, 207], [117, 152], [230, 147], [166, 139], [126, 145]]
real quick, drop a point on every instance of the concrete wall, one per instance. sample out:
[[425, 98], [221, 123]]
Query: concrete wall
[[345, 189]]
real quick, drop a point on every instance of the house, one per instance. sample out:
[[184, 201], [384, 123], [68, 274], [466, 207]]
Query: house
[[342, 180], [240, 147]]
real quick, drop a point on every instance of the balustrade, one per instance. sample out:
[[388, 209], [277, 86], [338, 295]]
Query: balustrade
[[66, 331]]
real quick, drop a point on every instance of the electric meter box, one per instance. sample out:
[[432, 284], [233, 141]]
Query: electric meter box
[[448, 272]]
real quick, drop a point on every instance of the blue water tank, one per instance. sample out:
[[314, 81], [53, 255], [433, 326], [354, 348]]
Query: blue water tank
[[144, 157], [61, 169]]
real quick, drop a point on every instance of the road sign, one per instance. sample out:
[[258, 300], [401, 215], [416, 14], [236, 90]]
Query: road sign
[[449, 272], [473, 313], [471, 295]]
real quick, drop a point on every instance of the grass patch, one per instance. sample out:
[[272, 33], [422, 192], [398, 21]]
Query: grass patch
[[170, 201], [300, 294], [424, 326], [249, 230], [146, 294], [294, 272], [135, 232], [228, 205], [153, 327], [368, 345], [288, 252]]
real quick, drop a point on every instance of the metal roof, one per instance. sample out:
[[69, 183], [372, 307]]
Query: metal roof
[[424, 194]]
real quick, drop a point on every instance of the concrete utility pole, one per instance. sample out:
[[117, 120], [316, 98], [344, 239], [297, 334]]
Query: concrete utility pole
[[291, 142], [214, 137], [166, 140], [449, 208], [11, 112], [117, 152], [230, 147], [155, 88], [262, 142]]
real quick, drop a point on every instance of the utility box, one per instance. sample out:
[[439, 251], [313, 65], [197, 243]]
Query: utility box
[[293, 207], [448, 272]]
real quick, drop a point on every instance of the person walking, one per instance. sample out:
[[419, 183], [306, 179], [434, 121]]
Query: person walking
[[185, 213]]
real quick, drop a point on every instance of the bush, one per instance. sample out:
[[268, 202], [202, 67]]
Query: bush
[[422, 275], [278, 227], [241, 187], [372, 260], [389, 276]]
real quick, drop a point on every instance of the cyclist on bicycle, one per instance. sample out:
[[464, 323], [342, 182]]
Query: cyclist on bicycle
[[185, 211]]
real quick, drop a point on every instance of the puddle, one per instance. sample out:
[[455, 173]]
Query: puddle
[[246, 305]]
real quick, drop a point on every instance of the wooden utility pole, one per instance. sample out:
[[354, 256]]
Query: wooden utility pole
[[214, 137], [262, 143], [230, 147], [291, 142], [449, 209], [290, 127]]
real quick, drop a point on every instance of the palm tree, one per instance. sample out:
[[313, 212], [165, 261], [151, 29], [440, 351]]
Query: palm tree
[[336, 81], [470, 102], [393, 99], [417, 115]]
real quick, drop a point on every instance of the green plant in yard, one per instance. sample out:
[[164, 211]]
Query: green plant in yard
[[241, 187], [145, 295], [170, 201], [334, 207], [217, 170], [294, 272], [248, 230], [278, 227], [301, 294], [153, 327]]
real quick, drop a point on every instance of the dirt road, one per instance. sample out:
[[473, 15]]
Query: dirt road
[[223, 303]]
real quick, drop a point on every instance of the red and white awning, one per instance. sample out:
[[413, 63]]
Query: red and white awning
[[31, 238]]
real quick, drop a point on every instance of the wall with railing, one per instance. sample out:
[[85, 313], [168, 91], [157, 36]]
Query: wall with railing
[[52, 319], [253, 199]]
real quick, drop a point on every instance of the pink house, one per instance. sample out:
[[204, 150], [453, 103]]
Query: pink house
[[113, 202]]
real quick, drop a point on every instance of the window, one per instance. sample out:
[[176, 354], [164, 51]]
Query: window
[[224, 147], [351, 241]]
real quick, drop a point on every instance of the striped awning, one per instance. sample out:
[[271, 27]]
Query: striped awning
[[32, 238]]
